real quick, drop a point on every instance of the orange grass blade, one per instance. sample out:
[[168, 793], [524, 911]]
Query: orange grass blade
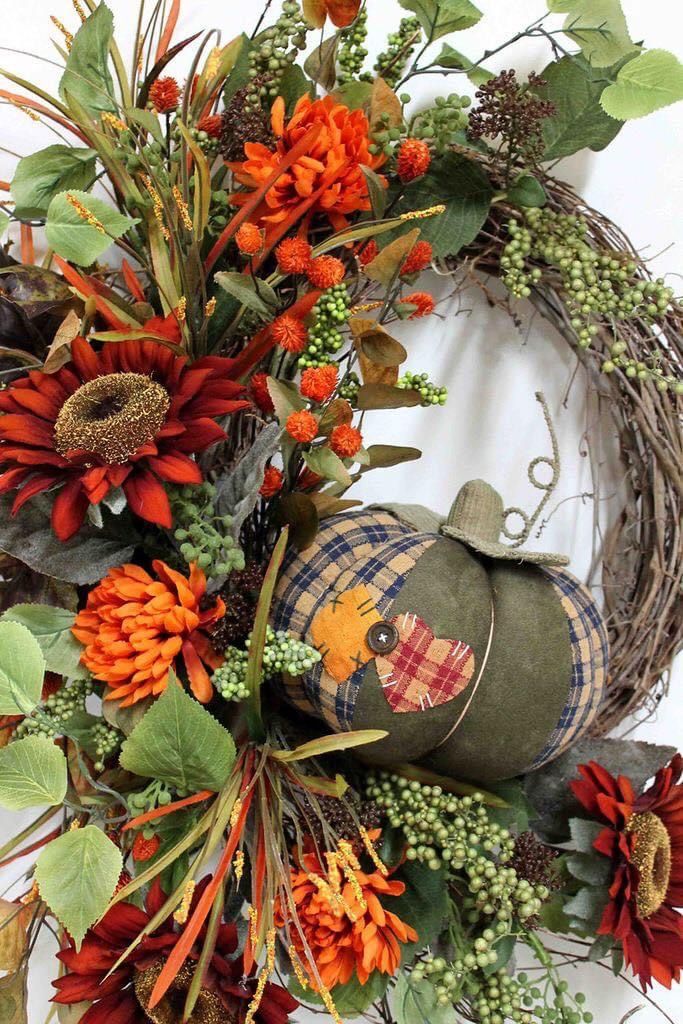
[[28, 252], [26, 101], [184, 944], [86, 290], [302, 146], [169, 29], [34, 846], [132, 283], [159, 812]]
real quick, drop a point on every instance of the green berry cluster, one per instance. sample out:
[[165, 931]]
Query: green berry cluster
[[352, 51], [276, 49], [151, 156], [441, 124], [203, 536], [330, 313], [390, 64], [349, 387], [384, 137], [430, 393], [281, 653], [597, 286], [105, 740], [156, 794], [53, 715], [219, 211]]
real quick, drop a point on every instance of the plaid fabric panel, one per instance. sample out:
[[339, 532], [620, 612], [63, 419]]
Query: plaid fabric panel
[[590, 657], [423, 671], [308, 575]]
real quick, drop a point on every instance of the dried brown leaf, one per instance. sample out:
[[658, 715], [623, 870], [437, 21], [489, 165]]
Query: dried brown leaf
[[59, 351]]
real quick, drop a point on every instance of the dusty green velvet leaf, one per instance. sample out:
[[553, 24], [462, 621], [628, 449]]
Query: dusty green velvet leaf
[[32, 773], [325, 463]]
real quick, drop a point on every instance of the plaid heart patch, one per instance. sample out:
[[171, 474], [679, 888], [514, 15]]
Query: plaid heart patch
[[423, 671]]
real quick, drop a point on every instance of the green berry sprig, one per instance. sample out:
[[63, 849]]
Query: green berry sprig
[[156, 794], [391, 63], [282, 653], [430, 393], [105, 740], [52, 717], [349, 387], [352, 51], [330, 313], [384, 137], [441, 124], [203, 536], [276, 49]]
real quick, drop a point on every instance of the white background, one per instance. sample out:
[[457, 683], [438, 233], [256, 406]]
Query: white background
[[492, 426]]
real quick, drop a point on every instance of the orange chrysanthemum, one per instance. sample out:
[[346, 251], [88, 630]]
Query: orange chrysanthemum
[[293, 256], [289, 333], [302, 426], [249, 239], [346, 441], [327, 179], [272, 482], [260, 393], [419, 258], [165, 94], [135, 626], [643, 839], [346, 926], [368, 253], [318, 382], [424, 303], [144, 849], [413, 160], [212, 124], [325, 271]]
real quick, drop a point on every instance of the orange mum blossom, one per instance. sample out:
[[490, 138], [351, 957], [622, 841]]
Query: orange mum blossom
[[289, 333], [331, 166], [250, 239], [164, 95], [413, 159], [346, 441], [325, 271], [419, 258], [293, 256], [302, 426], [344, 918], [135, 626], [424, 303], [318, 382], [272, 482]]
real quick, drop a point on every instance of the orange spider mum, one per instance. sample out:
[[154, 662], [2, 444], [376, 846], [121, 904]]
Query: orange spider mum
[[318, 382], [289, 333], [302, 426], [135, 626], [259, 392], [330, 173], [325, 271], [272, 482], [643, 837], [293, 256], [346, 441], [165, 94], [249, 239], [345, 923], [413, 160], [424, 303], [419, 258], [212, 124]]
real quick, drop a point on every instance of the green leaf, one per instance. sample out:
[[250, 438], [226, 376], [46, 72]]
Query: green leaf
[[450, 58], [423, 905], [52, 629], [325, 463], [293, 85], [553, 917], [377, 192], [352, 999], [87, 77], [4, 222], [527, 191], [601, 948], [321, 64], [504, 948], [598, 27], [465, 190], [585, 910], [439, 17], [180, 743], [286, 399], [77, 874], [416, 1003], [22, 668], [385, 396], [40, 176], [584, 833], [590, 868], [240, 74], [648, 82], [579, 122], [73, 238], [255, 295], [386, 455], [380, 348], [33, 772]]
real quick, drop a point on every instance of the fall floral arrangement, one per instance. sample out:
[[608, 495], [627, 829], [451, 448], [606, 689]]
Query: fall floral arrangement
[[181, 421]]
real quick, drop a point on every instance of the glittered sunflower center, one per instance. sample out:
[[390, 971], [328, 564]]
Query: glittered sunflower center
[[208, 1008], [652, 857], [111, 416]]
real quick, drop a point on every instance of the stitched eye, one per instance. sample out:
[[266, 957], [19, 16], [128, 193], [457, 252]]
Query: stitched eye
[[382, 637]]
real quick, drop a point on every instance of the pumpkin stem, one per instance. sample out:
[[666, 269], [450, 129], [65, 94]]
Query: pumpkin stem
[[477, 511]]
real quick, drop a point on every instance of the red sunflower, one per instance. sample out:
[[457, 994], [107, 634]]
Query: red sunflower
[[643, 838], [130, 416]]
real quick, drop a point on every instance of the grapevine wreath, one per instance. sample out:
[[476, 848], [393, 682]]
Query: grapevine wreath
[[274, 749]]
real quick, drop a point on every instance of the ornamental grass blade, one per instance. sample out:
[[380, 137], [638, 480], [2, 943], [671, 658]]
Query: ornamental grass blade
[[330, 744], [258, 638]]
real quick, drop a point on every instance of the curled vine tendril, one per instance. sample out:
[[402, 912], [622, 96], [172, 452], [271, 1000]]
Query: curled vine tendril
[[519, 537]]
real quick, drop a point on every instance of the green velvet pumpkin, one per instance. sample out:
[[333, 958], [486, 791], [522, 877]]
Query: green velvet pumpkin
[[479, 660]]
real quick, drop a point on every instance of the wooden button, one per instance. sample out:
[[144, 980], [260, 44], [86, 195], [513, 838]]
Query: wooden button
[[382, 637]]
